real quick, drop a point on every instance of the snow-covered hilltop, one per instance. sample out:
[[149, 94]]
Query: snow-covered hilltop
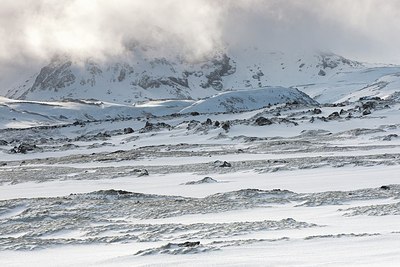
[[145, 76], [252, 99]]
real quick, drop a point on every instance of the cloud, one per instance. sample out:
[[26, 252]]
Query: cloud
[[103, 28], [361, 29], [32, 31]]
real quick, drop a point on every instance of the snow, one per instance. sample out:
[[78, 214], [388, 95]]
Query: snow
[[312, 188], [244, 100], [142, 76]]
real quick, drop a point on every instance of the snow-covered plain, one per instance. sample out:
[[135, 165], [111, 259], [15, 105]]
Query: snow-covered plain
[[279, 181]]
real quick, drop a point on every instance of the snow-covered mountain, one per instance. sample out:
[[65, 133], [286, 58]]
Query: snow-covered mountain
[[145, 76]]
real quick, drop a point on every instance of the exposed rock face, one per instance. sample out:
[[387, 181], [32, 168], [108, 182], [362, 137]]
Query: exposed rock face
[[53, 77], [146, 76], [223, 67], [333, 61]]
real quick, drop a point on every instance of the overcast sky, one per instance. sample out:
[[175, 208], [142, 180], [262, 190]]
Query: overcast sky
[[32, 31]]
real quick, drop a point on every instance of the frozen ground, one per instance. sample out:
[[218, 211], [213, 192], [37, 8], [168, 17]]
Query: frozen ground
[[286, 185]]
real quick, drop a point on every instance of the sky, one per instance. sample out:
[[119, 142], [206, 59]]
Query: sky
[[33, 31]]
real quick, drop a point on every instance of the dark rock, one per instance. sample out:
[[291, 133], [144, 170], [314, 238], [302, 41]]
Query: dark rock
[[144, 173], [156, 126], [128, 130], [180, 81], [389, 137], [225, 164], [208, 121], [385, 187], [366, 112], [334, 115], [194, 113], [205, 180], [188, 244], [3, 143], [377, 98], [284, 120], [76, 123], [141, 172], [192, 124], [23, 148], [114, 192], [103, 135], [317, 111], [321, 73], [261, 121], [226, 125], [369, 105], [148, 82], [223, 67], [216, 124]]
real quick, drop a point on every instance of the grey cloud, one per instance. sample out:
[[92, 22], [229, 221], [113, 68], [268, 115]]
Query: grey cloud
[[31, 31]]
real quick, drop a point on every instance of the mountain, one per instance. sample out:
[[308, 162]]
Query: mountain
[[143, 75]]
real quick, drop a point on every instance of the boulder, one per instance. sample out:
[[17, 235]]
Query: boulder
[[128, 130], [261, 121], [334, 115]]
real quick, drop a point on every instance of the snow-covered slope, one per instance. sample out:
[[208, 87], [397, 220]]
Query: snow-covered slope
[[25, 113], [386, 87], [242, 100], [145, 75]]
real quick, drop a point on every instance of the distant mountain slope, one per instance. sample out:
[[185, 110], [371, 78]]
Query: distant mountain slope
[[387, 87], [251, 99], [25, 113], [143, 76]]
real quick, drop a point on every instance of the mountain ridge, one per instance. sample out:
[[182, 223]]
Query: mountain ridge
[[148, 77]]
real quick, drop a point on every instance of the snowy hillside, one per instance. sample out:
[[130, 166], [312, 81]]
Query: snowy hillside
[[24, 113], [252, 99], [143, 76]]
